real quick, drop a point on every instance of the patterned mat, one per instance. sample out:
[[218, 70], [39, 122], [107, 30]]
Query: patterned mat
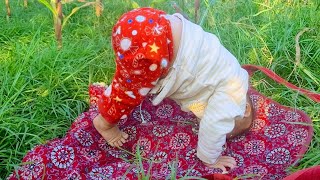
[[166, 138]]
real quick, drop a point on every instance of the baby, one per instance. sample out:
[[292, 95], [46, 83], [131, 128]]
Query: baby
[[172, 57]]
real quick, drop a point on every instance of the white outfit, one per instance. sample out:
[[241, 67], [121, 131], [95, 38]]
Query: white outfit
[[206, 79]]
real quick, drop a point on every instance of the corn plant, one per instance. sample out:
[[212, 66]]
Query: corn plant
[[8, 8], [199, 18], [196, 10], [57, 21], [175, 6], [99, 8], [145, 3], [55, 6], [25, 2]]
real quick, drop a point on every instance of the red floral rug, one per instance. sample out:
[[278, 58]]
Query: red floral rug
[[166, 135]]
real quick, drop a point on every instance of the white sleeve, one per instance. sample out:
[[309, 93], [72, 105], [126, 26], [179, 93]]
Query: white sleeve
[[217, 121]]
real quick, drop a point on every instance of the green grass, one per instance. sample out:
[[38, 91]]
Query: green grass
[[43, 89]]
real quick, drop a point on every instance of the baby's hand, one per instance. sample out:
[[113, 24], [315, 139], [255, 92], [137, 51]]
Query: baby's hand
[[223, 162]]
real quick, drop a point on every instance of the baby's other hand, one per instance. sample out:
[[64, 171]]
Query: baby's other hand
[[223, 162]]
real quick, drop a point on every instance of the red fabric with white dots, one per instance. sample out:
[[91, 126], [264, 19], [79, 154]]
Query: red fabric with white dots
[[142, 42]]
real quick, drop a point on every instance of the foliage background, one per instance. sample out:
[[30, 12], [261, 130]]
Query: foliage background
[[43, 89]]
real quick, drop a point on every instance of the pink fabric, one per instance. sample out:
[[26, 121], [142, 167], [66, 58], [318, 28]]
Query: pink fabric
[[277, 139], [252, 68], [312, 173], [217, 176]]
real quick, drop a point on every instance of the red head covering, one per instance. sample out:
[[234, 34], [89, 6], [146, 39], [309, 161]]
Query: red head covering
[[141, 34], [142, 42]]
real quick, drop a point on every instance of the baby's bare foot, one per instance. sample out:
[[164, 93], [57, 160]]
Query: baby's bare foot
[[114, 136], [111, 133]]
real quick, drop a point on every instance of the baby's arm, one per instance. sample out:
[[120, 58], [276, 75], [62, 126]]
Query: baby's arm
[[127, 90], [218, 120]]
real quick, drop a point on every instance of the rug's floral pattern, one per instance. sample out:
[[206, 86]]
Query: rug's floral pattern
[[144, 145], [164, 111], [180, 141], [256, 169], [292, 116], [161, 131], [298, 137], [142, 116], [275, 130], [62, 156], [254, 147], [191, 155], [278, 156], [160, 156], [33, 170], [83, 137], [168, 136], [101, 173], [91, 154]]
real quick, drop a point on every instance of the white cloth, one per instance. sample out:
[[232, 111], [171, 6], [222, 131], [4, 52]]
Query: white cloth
[[206, 79]]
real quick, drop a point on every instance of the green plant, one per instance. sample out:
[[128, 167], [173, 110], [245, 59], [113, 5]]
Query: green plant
[[8, 8], [138, 162], [98, 6], [55, 6], [42, 91]]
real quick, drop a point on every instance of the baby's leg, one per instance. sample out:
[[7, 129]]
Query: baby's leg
[[110, 132], [244, 124], [241, 127]]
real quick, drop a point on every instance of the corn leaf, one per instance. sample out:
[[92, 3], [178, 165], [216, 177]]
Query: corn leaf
[[310, 74], [49, 6], [135, 5], [74, 10], [155, 2]]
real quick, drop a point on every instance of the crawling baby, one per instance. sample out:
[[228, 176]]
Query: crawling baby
[[169, 56]]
